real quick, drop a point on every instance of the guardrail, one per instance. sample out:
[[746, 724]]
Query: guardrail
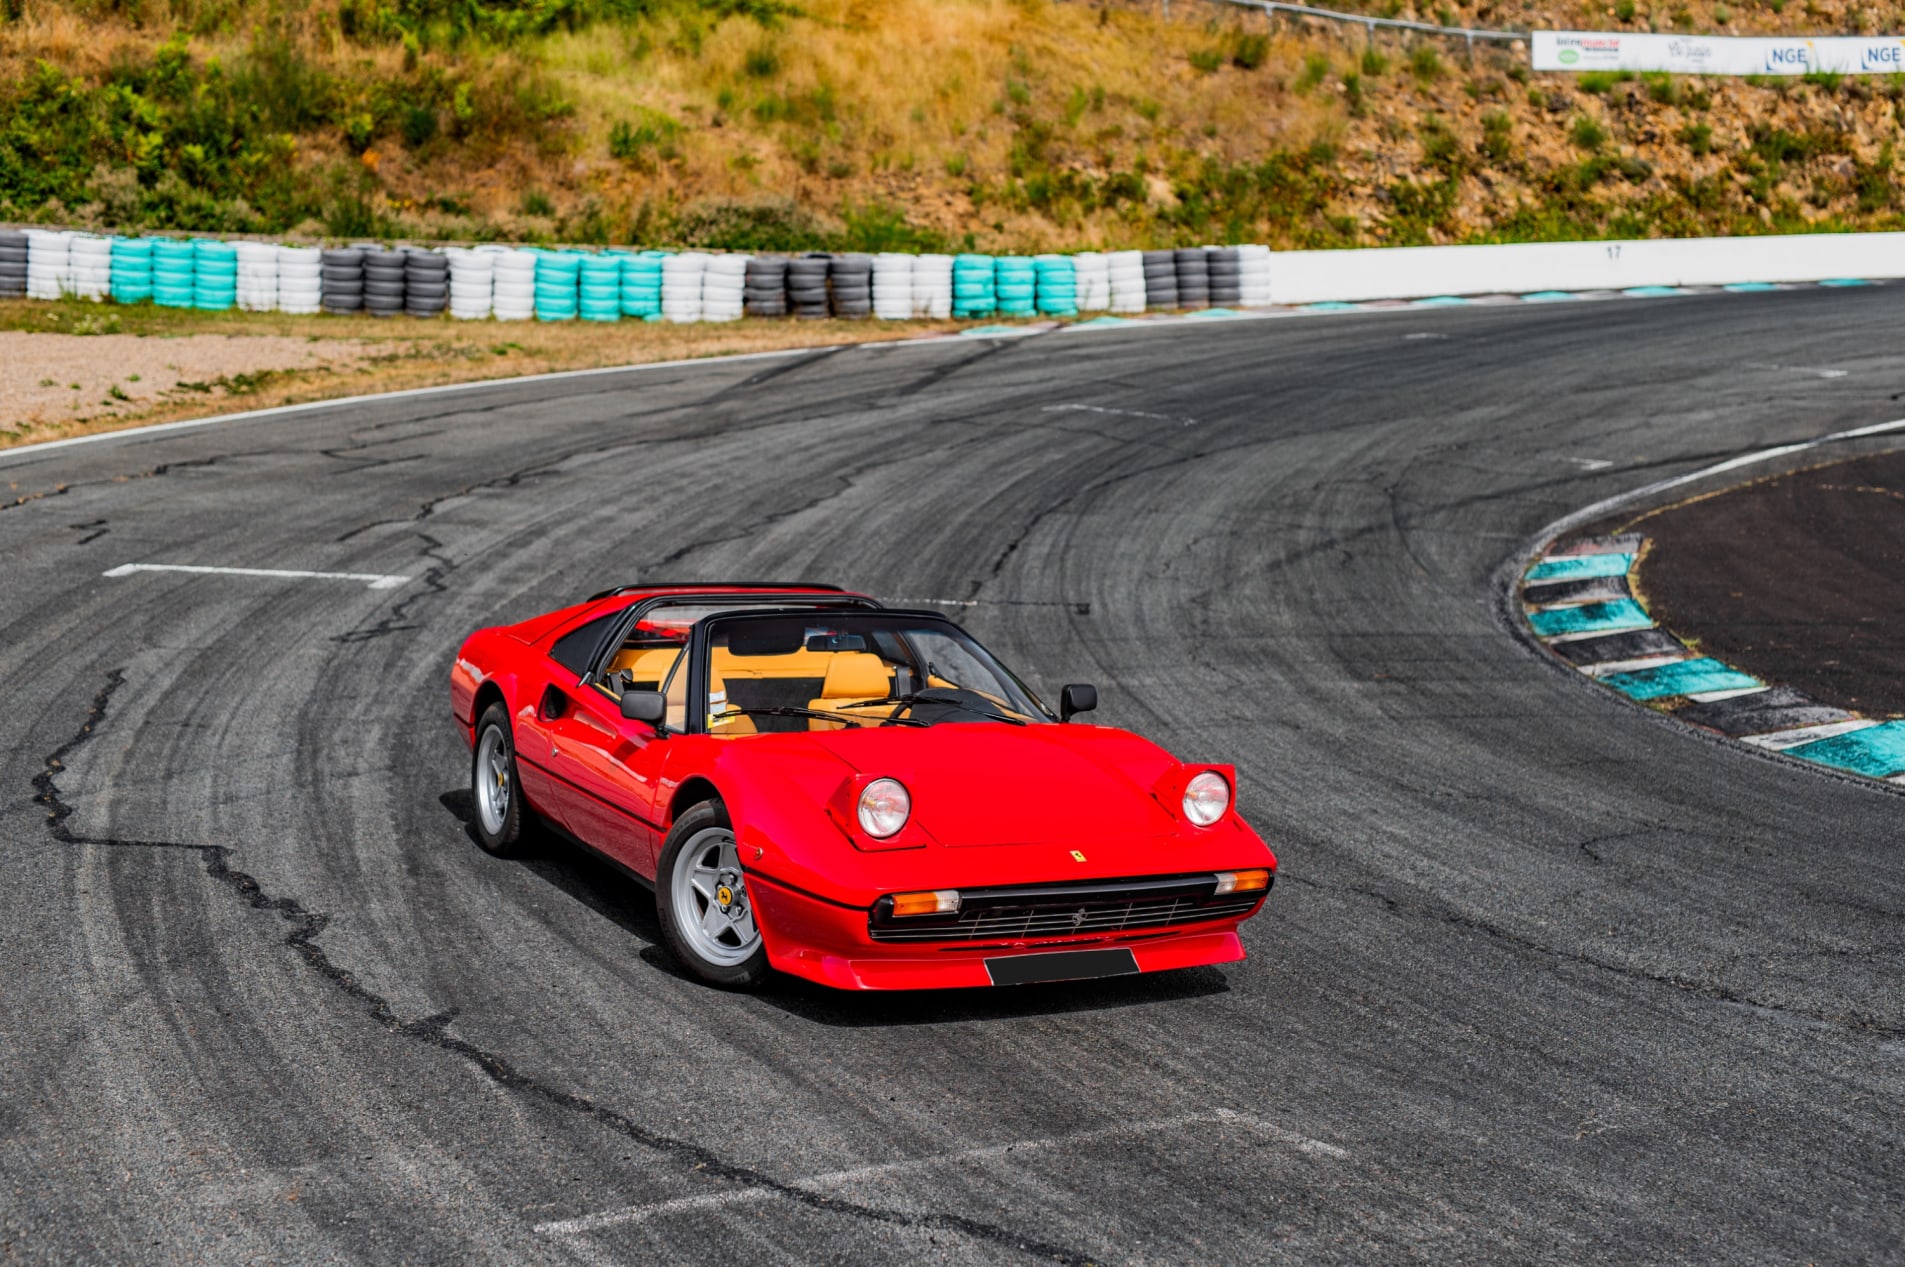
[[1369, 22]]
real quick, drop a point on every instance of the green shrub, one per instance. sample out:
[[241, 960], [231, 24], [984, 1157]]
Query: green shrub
[[763, 61], [1600, 81], [1661, 88], [641, 141], [1316, 68], [1425, 63], [1250, 50], [1207, 60], [1374, 62], [1497, 131], [1698, 138], [1587, 134]]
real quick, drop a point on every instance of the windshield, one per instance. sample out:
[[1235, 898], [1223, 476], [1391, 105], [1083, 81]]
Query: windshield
[[831, 670]]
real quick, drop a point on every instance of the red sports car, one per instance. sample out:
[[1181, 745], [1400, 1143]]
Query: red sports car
[[861, 796]]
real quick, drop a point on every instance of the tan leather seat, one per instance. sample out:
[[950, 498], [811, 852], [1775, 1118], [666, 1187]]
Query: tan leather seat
[[853, 677]]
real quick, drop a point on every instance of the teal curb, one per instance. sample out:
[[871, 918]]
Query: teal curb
[[1547, 296], [1652, 292], [1683, 677], [1845, 281], [1748, 288], [1877, 751], [1582, 568], [1609, 617]]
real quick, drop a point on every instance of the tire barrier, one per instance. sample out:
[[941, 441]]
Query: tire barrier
[[641, 285], [681, 277], [1226, 276], [472, 282], [514, 293], [850, 277], [975, 286], [1015, 283], [933, 286], [341, 280], [723, 287], [257, 276], [807, 286], [131, 270], [214, 275], [1124, 271], [1093, 273], [426, 283], [300, 280], [892, 286], [13, 250], [519, 283], [765, 292], [90, 258], [1057, 285], [383, 282], [558, 285], [1253, 274], [1160, 279], [172, 272], [48, 263], [1193, 277]]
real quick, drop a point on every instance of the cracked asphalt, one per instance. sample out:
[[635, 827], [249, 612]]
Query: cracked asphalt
[[1545, 978]]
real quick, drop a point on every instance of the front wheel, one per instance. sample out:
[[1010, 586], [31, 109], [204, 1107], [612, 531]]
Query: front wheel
[[494, 793], [707, 915]]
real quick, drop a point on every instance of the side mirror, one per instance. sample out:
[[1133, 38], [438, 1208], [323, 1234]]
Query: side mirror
[[1079, 697], [648, 706]]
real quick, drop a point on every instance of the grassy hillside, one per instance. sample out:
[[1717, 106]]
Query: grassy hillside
[[1002, 124]]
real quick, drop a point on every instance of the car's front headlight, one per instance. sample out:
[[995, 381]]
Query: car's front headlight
[[1206, 797], [884, 807]]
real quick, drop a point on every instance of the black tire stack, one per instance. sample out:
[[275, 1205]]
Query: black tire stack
[[426, 283], [1226, 276], [1160, 279], [1193, 278], [765, 292], [852, 280], [383, 282], [341, 280], [807, 286], [12, 264]]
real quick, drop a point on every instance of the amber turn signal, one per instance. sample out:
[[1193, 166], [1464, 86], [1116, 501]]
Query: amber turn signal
[[937, 902], [1242, 881]]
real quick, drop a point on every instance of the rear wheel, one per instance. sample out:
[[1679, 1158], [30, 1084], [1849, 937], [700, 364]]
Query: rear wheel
[[707, 915], [495, 795]]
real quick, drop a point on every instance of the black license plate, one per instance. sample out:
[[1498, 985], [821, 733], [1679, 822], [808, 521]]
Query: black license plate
[[1063, 965]]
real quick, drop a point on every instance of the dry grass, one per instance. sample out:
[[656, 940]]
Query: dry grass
[[366, 355]]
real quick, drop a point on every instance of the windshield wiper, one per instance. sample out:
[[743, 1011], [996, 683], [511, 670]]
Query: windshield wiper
[[921, 697], [789, 710]]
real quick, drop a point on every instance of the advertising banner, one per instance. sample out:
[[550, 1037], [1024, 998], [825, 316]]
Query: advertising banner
[[1718, 54]]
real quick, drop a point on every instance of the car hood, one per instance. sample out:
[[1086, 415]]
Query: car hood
[[994, 784]]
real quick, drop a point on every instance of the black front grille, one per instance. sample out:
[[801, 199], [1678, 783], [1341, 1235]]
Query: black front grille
[[1035, 913]]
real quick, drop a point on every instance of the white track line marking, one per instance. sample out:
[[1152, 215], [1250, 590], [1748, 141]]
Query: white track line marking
[[1607, 505], [842, 1178], [1631, 666], [1813, 370], [375, 580], [1557, 639], [1590, 464], [1780, 740], [1732, 692]]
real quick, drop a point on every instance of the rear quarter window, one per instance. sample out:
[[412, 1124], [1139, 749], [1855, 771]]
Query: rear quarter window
[[575, 649]]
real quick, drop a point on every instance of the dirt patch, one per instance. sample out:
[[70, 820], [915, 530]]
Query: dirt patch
[[65, 380], [1799, 579]]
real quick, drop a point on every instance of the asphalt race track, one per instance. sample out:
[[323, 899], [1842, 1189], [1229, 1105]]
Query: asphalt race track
[[1545, 977]]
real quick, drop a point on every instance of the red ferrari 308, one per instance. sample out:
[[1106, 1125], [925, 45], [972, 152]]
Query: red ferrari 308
[[856, 795]]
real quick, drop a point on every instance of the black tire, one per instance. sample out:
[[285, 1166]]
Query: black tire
[[504, 834], [691, 834]]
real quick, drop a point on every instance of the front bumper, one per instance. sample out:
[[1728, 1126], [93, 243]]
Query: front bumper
[[809, 937]]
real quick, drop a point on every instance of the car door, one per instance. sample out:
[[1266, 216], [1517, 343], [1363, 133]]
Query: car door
[[608, 770]]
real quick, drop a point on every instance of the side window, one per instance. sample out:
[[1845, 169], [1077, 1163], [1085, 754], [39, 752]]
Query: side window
[[573, 650], [676, 694]]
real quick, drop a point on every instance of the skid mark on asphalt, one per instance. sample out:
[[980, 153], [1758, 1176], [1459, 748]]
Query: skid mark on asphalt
[[306, 925], [859, 1174]]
